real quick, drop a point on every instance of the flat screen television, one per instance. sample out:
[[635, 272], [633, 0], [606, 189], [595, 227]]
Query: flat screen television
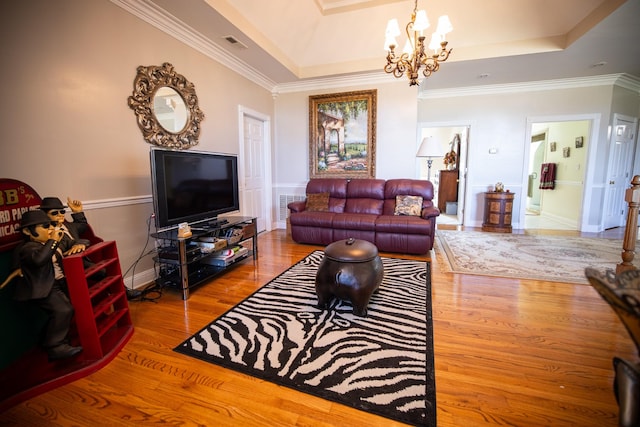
[[193, 186]]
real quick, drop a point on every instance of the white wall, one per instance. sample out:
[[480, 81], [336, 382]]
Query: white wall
[[396, 135], [500, 119]]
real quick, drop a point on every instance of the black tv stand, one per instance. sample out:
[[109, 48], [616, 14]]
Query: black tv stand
[[191, 269], [215, 223]]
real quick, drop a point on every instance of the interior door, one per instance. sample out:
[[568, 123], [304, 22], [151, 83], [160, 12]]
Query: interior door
[[462, 174], [621, 152], [536, 155], [445, 135], [254, 191]]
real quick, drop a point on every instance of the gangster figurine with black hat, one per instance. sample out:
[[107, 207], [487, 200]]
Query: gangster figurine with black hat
[[40, 259], [71, 240]]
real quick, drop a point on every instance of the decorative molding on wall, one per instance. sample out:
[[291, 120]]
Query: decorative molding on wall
[[570, 183], [363, 79], [140, 280], [169, 24], [119, 201], [283, 195], [622, 80]]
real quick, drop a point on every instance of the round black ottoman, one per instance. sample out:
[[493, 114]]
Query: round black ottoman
[[350, 270]]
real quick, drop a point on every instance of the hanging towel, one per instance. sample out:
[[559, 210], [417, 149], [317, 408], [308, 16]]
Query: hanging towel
[[548, 176]]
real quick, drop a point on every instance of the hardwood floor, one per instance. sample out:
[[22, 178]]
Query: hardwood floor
[[507, 352]]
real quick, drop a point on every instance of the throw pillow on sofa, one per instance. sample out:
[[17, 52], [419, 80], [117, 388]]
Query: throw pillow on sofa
[[408, 205], [318, 202]]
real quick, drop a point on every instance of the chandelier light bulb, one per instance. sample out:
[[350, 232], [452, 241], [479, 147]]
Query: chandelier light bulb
[[389, 41], [434, 44]]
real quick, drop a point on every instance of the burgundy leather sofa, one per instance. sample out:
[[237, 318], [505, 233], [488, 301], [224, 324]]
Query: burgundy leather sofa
[[365, 209]]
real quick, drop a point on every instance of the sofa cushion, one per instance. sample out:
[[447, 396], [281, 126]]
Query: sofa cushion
[[318, 202], [411, 187], [404, 224], [365, 196], [364, 206], [408, 205], [336, 187], [354, 221], [312, 219], [365, 189]]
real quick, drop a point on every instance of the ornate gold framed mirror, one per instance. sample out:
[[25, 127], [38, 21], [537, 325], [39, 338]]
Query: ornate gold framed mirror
[[166, 107]]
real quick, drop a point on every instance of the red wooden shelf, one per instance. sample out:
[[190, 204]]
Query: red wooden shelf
[[102, 326]]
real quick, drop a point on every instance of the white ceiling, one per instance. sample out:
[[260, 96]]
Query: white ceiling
[[493, 41]]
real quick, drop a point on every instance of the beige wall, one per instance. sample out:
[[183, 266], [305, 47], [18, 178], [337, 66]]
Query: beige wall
[[68, 69], [564, 202]]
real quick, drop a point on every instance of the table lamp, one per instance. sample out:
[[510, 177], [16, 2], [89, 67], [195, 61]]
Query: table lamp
[[431, 149]]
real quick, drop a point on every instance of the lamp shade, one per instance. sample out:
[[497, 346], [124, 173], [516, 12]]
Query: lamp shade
[[430, 148], [393, 29], [422, 22], [435, 42], [444, 25]]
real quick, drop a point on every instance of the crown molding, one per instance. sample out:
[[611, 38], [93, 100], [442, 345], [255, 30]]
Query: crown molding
[[629, 82], [342, 81], [623, 80], [169, 24]]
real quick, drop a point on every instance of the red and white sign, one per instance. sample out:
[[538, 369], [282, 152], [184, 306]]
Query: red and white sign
[[16, 198]]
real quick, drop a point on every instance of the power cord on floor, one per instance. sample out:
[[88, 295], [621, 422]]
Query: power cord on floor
[[154, 290]]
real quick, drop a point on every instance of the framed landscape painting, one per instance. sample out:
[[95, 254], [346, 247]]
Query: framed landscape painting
[[342, 135]]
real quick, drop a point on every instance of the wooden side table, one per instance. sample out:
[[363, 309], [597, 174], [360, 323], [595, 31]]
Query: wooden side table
[[498, 208]]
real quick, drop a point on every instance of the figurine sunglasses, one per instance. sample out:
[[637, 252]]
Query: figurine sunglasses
[[48, 224]]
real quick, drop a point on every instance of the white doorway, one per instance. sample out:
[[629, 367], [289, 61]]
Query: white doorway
[[451, 137], [538, 145], [255, 166], [558, 154], [619, 170]]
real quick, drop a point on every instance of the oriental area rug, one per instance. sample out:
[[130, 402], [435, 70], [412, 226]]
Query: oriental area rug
[[381, 363], [520, 256]]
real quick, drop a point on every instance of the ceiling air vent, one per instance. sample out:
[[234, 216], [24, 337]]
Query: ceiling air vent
[[235, 42]]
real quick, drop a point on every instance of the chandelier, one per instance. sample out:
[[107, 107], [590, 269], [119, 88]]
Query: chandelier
[[413, 56]]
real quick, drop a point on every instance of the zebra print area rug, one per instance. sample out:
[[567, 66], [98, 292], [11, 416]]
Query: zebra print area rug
[[382, 363]]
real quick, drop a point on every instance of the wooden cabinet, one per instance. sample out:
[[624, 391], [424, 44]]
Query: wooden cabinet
[[447, 188], [498, 208]]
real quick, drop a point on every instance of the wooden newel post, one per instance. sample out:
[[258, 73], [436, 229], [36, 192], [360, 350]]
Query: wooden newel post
[[632, 196]]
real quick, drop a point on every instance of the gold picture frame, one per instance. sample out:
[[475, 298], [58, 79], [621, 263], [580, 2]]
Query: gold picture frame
[[342, 135]]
